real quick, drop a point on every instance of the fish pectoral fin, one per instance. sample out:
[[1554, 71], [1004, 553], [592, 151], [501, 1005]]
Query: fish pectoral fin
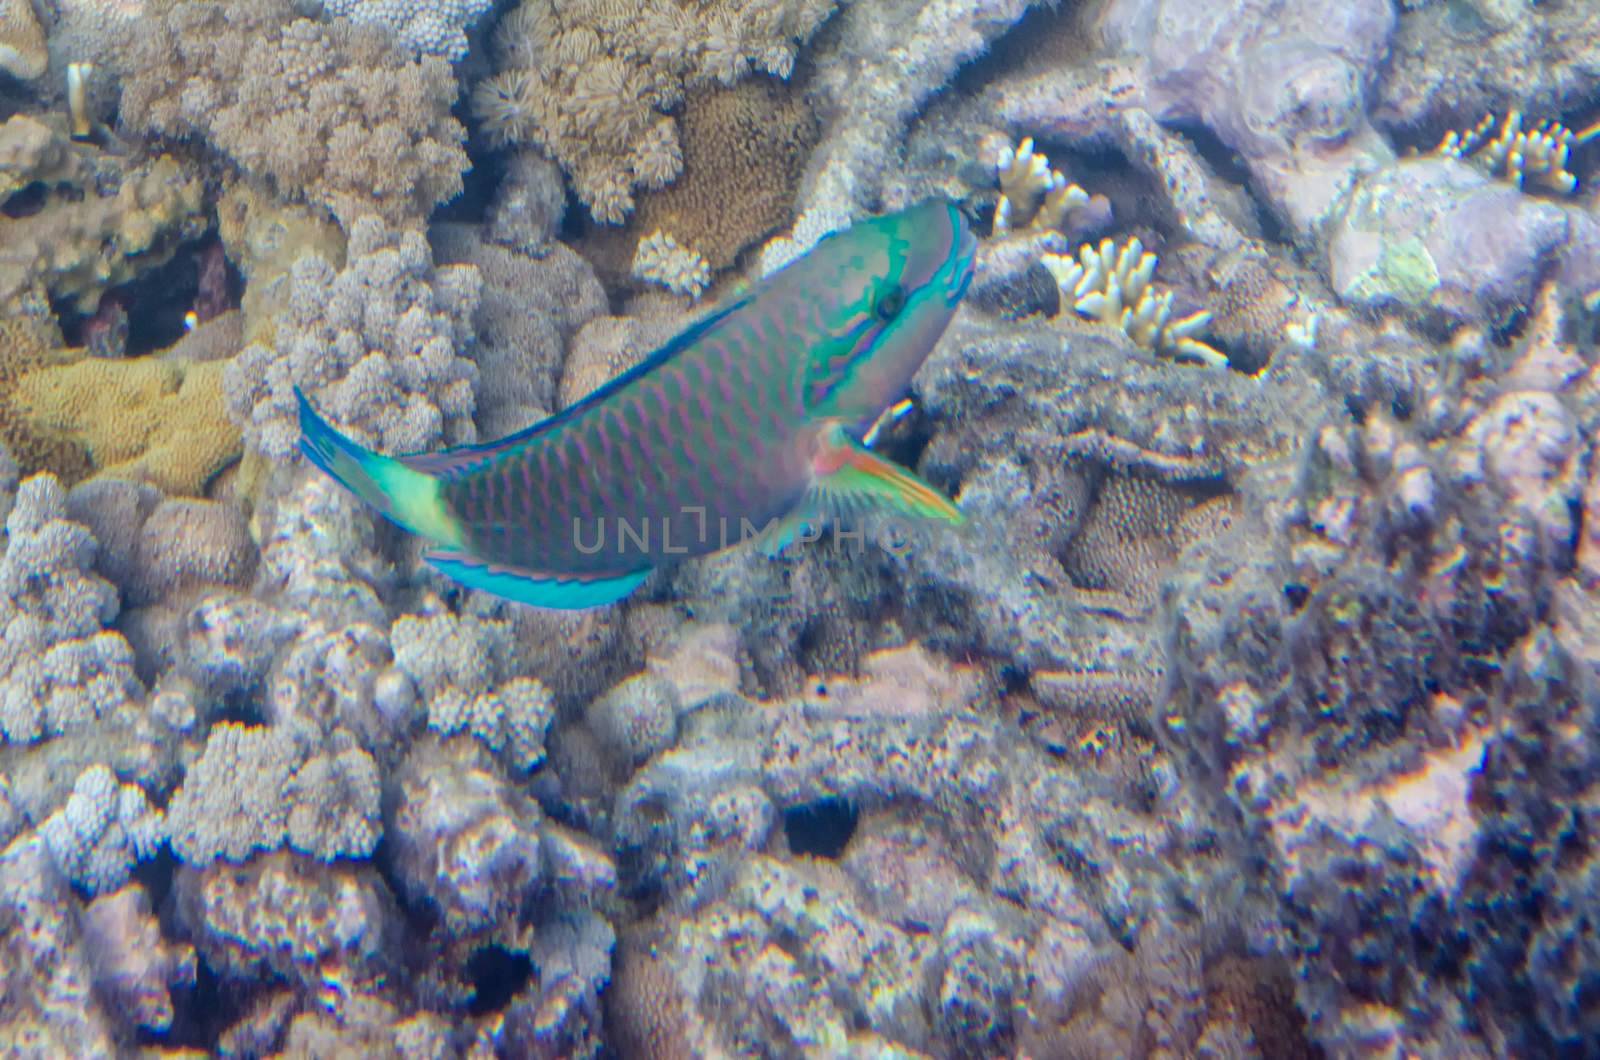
[[847, 478], [560, 592], [782, 533]]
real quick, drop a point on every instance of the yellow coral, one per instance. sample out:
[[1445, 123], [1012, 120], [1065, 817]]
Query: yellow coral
[[1516, 154], [158, 419], [587, 79], [1113, 285]]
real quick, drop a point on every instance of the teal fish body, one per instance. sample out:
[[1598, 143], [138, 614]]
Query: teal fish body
[[744, 423]]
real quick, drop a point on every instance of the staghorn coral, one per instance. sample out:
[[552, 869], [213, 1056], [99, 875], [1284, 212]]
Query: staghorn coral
[[328, 112], [1113, 285], [661, 260], [1537, 154], [436, 27], [1032, 195], [373, 343], [589, 81]]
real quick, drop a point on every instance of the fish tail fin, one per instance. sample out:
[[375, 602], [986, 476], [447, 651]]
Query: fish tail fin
[[407, 497]]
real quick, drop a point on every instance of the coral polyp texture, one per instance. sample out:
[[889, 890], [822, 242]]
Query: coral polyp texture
[[331, 113], [590, 82]]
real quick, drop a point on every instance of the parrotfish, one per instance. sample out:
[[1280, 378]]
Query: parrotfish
[[748, 423]]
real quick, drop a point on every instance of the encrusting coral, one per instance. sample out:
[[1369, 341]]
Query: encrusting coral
[[590, 81], [161, 419], [328, 111], [1112, 284]]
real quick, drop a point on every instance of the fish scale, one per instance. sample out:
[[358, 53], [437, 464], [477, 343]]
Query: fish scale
[[750, 417]]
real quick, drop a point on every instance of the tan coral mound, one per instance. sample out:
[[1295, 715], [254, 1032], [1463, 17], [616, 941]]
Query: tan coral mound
[[327, 111], [744, 149], [588, 80], [29, 342], [158, 419]]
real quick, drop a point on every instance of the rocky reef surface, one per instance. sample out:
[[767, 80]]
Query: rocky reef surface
[[1254, 713]]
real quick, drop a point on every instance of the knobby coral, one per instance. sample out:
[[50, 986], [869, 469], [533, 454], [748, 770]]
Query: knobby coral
[[589, 81], [327, 111]]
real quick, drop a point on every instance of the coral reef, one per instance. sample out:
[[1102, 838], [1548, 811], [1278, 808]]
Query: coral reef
[[1111, 284], [1250, 713], [373, 343], [327, 112], [102, 221], [1538, 154], [588, 82], [257, 788], [430, 28]]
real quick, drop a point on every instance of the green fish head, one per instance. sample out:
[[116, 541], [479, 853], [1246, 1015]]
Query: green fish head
[[884, 291]]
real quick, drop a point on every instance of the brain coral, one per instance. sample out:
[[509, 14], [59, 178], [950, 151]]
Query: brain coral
[[158, 419], [587, 80], [330, 112]]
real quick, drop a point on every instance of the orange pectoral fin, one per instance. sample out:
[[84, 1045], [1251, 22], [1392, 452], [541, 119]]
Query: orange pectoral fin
[[845, 477]]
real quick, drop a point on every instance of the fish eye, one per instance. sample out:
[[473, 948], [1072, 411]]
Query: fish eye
[[890, 303]]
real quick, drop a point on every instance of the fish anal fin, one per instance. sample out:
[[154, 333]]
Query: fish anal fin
[[848, 477], [559, 592]]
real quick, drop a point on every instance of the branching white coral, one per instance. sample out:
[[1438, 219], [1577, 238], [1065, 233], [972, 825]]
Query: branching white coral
[[680, 269], [1031, 193], [1515, 154], [1113, 285]]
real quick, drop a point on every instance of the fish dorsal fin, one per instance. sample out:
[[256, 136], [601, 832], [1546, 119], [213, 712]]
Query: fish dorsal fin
[[461, 458]]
